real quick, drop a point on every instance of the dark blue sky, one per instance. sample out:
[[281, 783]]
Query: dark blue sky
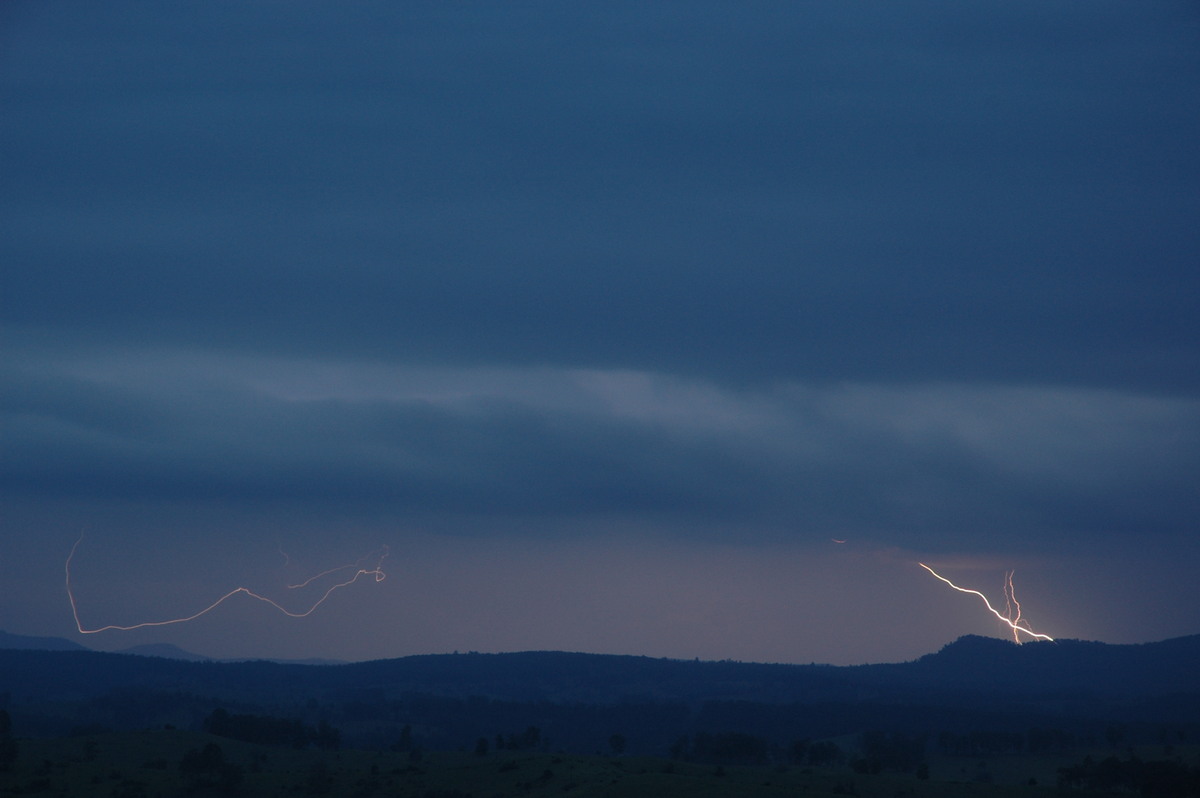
[[606, 318]]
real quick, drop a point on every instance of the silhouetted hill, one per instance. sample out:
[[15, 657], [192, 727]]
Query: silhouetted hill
[[602, 678], [974, 663], [972, 683], [166, 651], [11, 641], [970, 665]]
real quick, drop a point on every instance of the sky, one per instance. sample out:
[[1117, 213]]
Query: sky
[[609, 321]]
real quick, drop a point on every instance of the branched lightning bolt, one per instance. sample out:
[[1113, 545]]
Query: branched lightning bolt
[[360, 570], [1009, 597], [1011, 604], [379, 575]]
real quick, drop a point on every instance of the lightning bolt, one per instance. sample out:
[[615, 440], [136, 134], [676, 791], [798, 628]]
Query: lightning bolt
[[1011, 604], [379, 575], [1010, 598], [359, 570]]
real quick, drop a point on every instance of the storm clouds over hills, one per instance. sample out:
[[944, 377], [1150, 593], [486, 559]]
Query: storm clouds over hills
[[606, 318]]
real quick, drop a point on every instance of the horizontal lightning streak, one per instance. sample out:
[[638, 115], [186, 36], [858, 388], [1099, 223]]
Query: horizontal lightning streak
[[358, 565], [1011, 624], [360, 571]]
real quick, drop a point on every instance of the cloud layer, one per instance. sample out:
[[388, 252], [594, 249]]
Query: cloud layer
[[918, 465], [914, 275]]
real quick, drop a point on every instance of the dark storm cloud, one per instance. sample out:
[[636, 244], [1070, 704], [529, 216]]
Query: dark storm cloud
[[921, 271], [80, 437], [928, 467], [840, 191], [627, 305]]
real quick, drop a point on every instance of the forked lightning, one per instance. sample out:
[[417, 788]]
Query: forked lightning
[[1012, 619], [355, 571]]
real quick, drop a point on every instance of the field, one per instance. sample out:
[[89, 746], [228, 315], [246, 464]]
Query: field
[[180, 763]]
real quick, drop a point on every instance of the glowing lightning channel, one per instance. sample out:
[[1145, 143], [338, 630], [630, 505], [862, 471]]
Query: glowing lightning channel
[[360, 571], [358, 566], [1009, 597], [1011, 604]]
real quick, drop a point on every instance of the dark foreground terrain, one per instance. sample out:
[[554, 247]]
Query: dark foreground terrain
[[979, 717], [183, 763]]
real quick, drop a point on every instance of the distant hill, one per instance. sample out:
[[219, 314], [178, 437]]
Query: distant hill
[[974, 663], [969, 666], [307, 661], [1079, 688], [166, 651], [11, 641], [162, 650]]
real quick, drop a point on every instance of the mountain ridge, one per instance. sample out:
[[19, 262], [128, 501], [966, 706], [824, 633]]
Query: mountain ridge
[[1079, 689], [10, 641], [970, 664]]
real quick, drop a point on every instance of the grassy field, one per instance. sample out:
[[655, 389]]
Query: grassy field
[[179, 763], [132, 765]]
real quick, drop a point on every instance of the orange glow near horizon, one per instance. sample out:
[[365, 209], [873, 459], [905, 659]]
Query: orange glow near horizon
[[1010, 598], [359, 571]]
